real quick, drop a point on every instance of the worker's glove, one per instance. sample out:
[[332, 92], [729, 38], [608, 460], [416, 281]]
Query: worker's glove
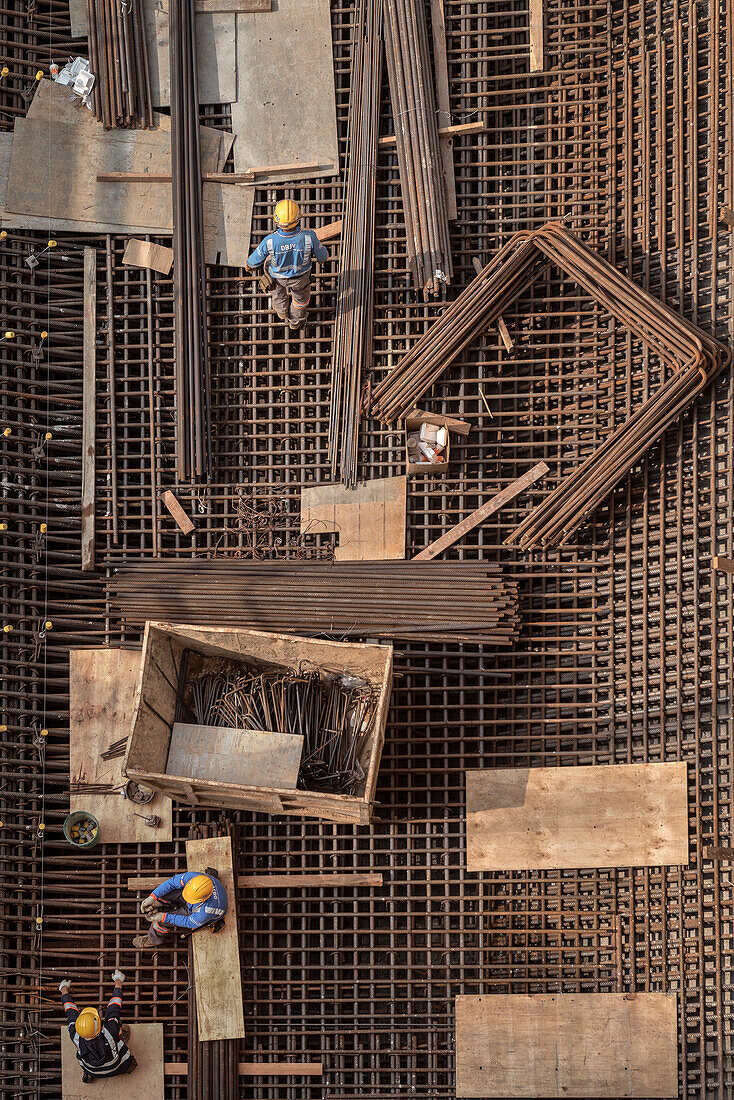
[[65, 986], [118, 976], [152, 916], [149, 904]]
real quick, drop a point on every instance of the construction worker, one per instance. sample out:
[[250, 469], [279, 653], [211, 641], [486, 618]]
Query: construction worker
[[187, 902], [288, 254], [101, 1049]]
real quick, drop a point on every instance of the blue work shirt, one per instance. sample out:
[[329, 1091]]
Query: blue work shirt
[[196, 916], [291, 252]]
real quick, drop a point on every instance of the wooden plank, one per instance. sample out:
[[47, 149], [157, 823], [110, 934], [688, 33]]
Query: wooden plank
[[567, 1044], [443, 132], [89, 406], [146, 1044], [294, 166], [287, 880], [505, 334], [185, 523], [463, 427], [370, 519], [156, 257], [723, 565], [257, 1069], [714, 851], [537, 37], [165, 177], [619, 815], [217, 957], [251, 757], [482, 513], [328, 232], [102, 685]]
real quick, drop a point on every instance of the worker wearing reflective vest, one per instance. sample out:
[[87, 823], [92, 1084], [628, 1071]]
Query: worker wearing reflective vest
[[288, 255], [185, 902], [100, 1047]]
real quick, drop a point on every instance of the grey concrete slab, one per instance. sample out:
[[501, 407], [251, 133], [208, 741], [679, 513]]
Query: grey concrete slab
[[286, 111]]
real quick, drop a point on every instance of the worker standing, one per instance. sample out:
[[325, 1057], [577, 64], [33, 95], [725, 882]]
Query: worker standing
[[288, 255], [100, 1047], [186, 902]]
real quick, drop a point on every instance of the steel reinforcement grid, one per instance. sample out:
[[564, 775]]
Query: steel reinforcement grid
[[627, 647]]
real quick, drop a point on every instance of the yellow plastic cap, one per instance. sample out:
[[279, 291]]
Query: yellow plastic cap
[[287, 214], [88, 1024], [197, 890]]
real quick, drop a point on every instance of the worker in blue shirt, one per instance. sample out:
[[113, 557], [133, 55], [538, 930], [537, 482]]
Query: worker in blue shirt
[[185, 902], [101, 1050], [288, 254]]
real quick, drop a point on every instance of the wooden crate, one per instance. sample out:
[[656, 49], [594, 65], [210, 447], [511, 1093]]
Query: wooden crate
[[155, 705], [424, 467]]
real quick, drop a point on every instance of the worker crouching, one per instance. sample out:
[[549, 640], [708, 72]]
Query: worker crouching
[[287, 256], [183, 903], [100, 1043]]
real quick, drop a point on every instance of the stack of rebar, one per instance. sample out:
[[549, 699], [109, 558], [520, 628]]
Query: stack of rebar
[[427, 601], [191, 351], [353, 322], [483, 300], [118, 57], [416, 133], [690, 356]]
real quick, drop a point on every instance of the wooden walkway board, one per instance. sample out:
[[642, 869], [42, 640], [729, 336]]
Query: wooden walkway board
[[217, 956], [567, 1044], [370, 519], [146, 1044], [102, 685], [616, 815], [249, 757]]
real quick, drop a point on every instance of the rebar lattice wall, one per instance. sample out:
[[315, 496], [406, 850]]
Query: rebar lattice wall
[[627, 650]]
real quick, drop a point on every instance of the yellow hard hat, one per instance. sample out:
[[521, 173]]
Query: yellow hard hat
[[287, 214], [198, 889], [88, 1024]]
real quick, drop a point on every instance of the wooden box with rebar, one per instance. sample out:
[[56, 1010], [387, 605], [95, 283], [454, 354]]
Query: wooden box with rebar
[[221, 683]]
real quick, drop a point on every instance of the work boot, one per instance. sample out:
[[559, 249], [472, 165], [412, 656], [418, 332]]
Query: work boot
[[294, 326], [133, 1065], [142, 943]]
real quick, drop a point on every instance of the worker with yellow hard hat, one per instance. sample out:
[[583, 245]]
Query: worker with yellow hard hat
[[288, 255], [185, 903], [100, 1042]]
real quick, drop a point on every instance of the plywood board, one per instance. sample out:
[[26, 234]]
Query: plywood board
[[286, 113], [217, 957], [250, 757], [146, 1045], [157, 257], [102, 685], [567, 1044], [215, 50], [616, 815], [78, 18], [370, 519]]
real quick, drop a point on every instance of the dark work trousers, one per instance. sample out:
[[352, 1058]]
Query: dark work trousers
[[172, 903], [291, 298]]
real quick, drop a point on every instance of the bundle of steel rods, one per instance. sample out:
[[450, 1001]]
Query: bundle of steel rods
[[191, 352], [334, 715], [427, 600], [483, 300], [352, 349], [416, 133], [689, 355], [118, 57]]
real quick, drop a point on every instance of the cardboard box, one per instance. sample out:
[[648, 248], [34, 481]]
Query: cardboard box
[[412, 427]]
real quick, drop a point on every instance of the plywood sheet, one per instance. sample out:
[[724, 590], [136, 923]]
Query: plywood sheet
[[216, 54], [286, 113], [217, 957], [102, 685], [567, 1044], [616, 815], [250, 757], [370, 519], [78, 18], [146, 1044], [157, 257]]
